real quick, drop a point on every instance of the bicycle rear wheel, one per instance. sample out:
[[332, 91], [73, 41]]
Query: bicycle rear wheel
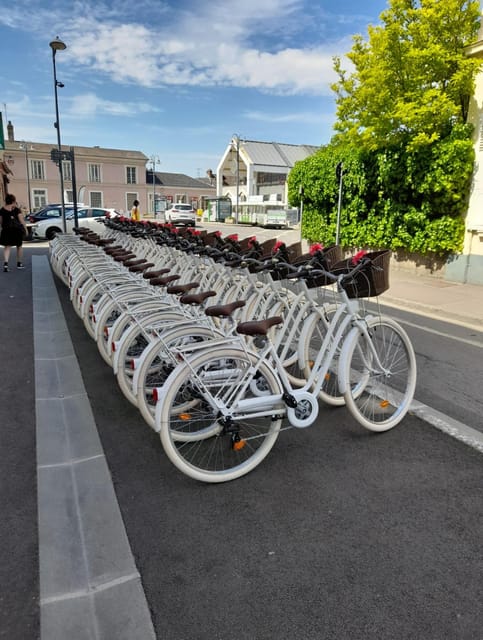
[[314, 333], [378, 374], [157, 363], [133, 343], [201, 431]]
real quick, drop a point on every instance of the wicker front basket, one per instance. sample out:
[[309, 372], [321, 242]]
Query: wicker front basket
[[328, 258], [371, 280]]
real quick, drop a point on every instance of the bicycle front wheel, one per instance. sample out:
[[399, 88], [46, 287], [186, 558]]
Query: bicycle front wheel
[[378, 371], [203, 433]]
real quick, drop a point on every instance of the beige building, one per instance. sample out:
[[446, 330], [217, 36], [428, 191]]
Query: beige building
[[104, 177], [178, 187], [111, 178], [468, 267]]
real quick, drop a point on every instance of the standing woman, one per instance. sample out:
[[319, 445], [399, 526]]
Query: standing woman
[[13, 230], [135, 213]]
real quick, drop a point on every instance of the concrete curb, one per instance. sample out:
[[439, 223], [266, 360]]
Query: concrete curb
[[432, 311], [90, 587]]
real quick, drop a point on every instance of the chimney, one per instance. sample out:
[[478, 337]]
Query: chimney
[[10, 136]]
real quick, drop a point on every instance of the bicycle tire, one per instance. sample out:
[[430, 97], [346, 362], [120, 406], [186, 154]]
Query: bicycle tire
[[132, 344], [313, 335], [210, 454], [156, 364], [385, 396]]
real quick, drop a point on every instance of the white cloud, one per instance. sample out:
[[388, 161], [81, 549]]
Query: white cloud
[[300, 117], [89, 104], [223, 42]]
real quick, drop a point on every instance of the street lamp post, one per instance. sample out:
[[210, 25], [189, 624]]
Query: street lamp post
[[236, 138], [25, 147], [154, 160], [58, 45]]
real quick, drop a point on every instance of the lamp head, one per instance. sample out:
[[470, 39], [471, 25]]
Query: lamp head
[[57, 45]]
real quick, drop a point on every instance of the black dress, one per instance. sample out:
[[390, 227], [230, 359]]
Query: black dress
[[12, 229]]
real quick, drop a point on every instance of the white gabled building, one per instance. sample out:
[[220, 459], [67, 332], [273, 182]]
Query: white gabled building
[[251, 171]]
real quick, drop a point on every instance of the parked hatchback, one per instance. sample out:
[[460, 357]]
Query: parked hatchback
[[47, 212], [181, 213], [87, 217]]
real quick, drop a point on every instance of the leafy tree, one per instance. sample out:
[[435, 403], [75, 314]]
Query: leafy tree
[[401, 134], [412, 80]]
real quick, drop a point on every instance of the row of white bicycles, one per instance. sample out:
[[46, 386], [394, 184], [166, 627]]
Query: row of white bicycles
[[223, 344]]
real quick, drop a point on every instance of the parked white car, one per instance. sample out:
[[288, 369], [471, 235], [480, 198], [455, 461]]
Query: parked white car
[[87, 217], [181, 213]]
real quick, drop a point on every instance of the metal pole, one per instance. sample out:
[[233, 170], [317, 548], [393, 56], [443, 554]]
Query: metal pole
[[301, 194], [237, 140], [340, 173], [74, 186], [58, 45], [154, 189], [28, 177], [154, 160]]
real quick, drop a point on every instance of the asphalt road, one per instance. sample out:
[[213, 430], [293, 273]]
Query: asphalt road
[[450, 375], [339, 534]]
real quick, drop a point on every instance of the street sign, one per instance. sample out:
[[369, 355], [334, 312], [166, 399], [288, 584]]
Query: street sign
[[56, 155]]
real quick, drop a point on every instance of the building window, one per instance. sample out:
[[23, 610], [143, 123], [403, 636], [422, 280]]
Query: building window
[[69, 194], [37, 170], [94, 173], [267, 179], [95, 198], [130, 197], [131, 175], [67, 170], [40, 198], [180, 197]]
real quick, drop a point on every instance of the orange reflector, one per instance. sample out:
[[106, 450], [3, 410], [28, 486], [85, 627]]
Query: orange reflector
[[311, 363], [384, 403], [185, 416], [327, 377], [106, 331], [237, 445]]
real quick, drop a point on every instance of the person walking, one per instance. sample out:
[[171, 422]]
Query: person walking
[[135, 213], [13, 230]]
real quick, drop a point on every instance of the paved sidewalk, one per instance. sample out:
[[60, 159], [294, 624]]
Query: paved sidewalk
[[450, 301]]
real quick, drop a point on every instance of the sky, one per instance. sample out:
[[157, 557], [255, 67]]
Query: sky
[[176, 79]]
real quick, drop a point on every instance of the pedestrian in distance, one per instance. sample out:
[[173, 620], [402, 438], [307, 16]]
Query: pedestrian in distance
[[13, 230], [135, 212]]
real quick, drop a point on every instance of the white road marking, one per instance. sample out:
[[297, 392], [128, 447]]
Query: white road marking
[[451, 427], [473, 343]]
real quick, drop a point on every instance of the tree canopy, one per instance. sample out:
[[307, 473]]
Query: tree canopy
[[412, 79], [401, 133]]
